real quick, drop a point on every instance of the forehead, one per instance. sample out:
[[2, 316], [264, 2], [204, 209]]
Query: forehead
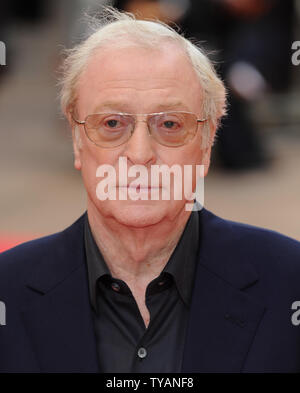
[[139, 77]]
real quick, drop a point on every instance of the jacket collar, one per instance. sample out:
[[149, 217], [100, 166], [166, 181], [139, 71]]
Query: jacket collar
[[59, 261], [221, 251], [223, 317], [59, 321]]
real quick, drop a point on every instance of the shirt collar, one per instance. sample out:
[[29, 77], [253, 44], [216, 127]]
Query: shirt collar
[[181, 265], [182, 262], [96, 265]]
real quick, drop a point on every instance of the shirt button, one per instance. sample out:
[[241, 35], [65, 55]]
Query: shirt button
[[161, 283], [115, 286], [142, 353]]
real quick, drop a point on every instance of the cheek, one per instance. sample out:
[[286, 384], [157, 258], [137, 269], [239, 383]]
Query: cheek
[[195, 152], [190, 154], [91, 158], [188, 158]]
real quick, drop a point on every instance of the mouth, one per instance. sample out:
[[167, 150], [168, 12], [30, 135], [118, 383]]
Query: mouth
[[140, 187]]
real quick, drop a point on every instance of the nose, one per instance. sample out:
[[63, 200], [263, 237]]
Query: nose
[[140, 147]]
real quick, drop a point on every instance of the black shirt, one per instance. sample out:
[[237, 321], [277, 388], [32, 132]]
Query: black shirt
[[124, 344]]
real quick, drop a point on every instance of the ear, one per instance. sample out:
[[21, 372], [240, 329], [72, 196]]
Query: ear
[[76, 147], [76, 141], [207, 151]]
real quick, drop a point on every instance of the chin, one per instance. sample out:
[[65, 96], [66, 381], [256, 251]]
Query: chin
[[137, 214]]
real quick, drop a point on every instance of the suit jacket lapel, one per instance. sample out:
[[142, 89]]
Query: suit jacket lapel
[[223, 317], [59, 320]]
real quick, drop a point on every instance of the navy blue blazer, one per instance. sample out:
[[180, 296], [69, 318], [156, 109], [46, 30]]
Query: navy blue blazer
[[240, 318]]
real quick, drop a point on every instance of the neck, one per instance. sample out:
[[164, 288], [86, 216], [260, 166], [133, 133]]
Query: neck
[[136, 253]]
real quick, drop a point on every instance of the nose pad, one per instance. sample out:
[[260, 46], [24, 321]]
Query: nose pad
[[139, 148], [145, 121], [136, 126]]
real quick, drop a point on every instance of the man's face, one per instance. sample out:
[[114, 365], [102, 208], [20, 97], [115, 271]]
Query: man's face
[[137, 81]]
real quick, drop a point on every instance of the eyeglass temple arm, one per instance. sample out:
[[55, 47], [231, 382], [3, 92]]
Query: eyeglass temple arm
[[201, 120], [77, 121]]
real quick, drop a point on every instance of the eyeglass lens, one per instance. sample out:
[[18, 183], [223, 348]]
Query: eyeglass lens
[[114, 129]]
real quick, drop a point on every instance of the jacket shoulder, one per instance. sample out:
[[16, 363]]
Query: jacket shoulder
[[249, 234], [16, 262], [265, 248]]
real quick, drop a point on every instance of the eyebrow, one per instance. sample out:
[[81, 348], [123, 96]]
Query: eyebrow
[[123, 107]]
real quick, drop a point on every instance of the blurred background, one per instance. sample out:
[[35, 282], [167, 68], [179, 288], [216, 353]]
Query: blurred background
[[254, 176]]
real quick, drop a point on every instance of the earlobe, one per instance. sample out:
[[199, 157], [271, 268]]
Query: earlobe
[[77, 163]]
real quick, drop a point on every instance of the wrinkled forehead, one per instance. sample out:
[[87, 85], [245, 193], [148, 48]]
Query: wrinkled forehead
[[120, 59], [132, 70]]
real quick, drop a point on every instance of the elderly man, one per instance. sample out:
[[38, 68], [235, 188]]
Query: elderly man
[[146, 284]]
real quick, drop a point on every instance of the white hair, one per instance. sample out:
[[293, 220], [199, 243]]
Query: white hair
[[120, 29]]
